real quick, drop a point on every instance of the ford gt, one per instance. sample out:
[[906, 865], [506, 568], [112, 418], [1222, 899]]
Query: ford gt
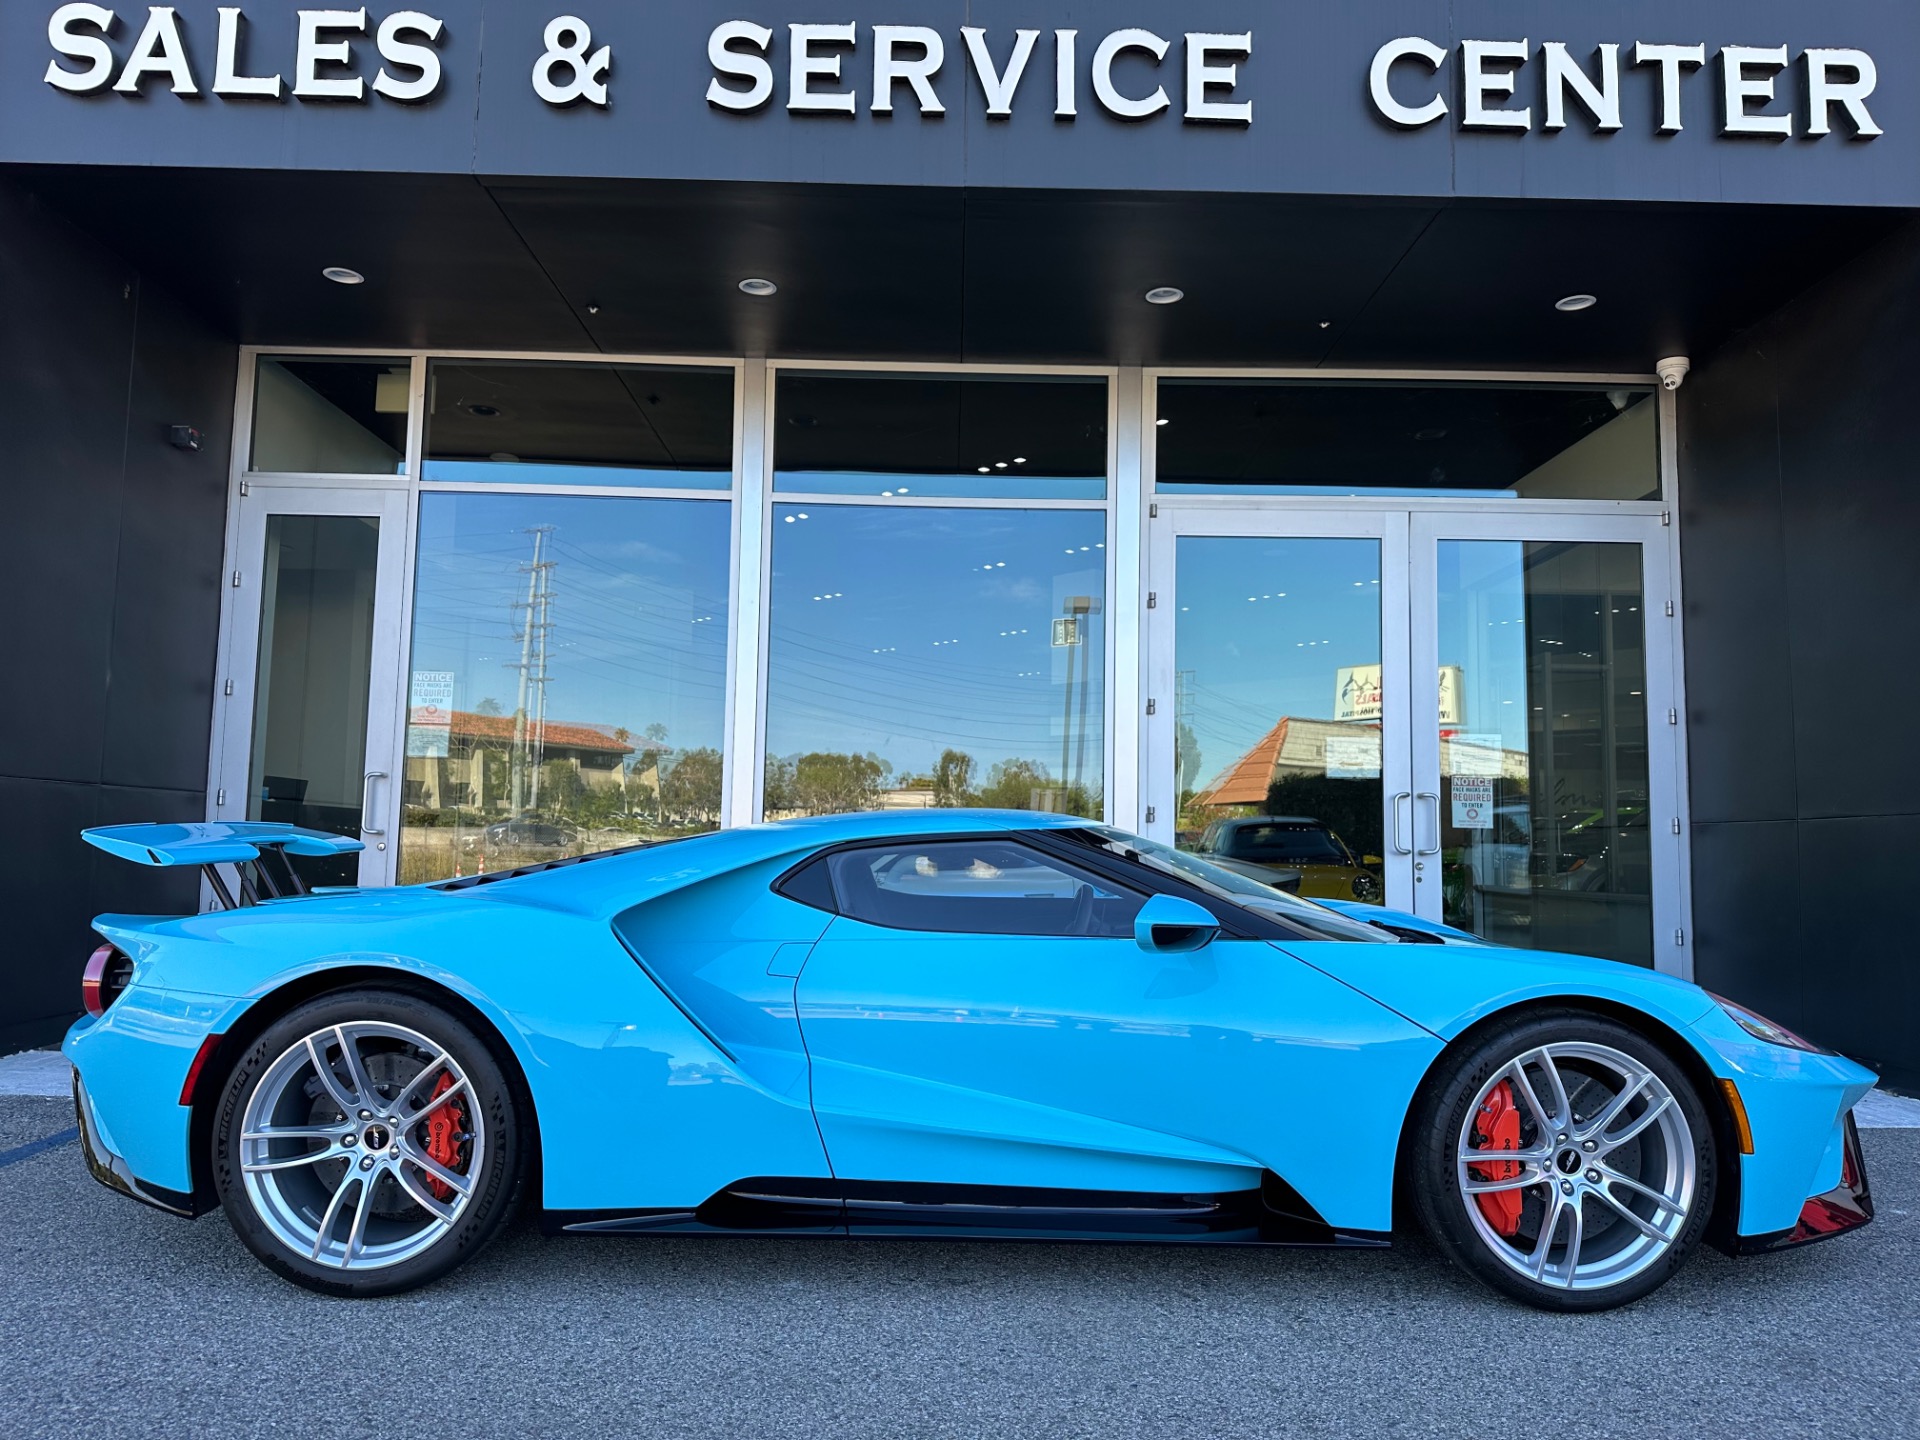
[[947, 1023]]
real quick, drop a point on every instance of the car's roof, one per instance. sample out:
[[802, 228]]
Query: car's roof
[[829, 829], [1276, 820]]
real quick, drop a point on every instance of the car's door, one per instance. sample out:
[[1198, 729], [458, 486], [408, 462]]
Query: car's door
[[980, 1013]]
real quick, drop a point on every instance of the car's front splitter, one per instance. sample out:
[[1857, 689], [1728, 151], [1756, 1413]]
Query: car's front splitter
[[1846, 1207]]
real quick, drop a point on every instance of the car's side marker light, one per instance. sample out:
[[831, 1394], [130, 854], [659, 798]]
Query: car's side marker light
[[1742, 1130], [193, 1071]]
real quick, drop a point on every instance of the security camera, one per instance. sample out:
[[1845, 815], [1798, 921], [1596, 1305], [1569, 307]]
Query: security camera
[[1673, 370]]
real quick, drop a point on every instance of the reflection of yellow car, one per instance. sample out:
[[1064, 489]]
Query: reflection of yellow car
[[1264, 847]]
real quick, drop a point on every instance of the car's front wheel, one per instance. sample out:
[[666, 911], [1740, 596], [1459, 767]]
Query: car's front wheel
[[367, 1143], [1565, 1160]]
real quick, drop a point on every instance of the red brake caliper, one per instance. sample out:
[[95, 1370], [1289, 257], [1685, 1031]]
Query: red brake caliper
[[1497, 1127], [443, 1129]]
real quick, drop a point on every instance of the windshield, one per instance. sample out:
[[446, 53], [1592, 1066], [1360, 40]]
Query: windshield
[[1235, 889], [1283, 844]]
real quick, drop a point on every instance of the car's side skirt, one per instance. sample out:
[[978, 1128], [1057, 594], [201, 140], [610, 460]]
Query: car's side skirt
[[1272, 1214]]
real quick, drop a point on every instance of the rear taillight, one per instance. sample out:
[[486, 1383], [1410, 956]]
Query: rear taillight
[[107, 974]]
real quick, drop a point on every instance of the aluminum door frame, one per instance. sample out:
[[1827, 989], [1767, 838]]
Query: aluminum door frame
[[383, 762], [1390, 527], [1664, 761]]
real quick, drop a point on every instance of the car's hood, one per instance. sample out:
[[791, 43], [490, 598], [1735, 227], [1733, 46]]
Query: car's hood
[[1446, 988]]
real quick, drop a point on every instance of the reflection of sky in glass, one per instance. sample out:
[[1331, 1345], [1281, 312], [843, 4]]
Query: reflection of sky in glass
[[516, 472], [1483, 630], [905, 631], [1000, 484], [1264, 626], [638, 614]]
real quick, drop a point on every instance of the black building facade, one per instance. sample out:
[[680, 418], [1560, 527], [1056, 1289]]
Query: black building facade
[[625, 422]]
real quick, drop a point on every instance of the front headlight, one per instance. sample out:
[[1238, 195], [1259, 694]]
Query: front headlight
[[1761, 1028]]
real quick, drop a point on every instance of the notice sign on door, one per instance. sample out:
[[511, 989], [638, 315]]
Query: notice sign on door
[[430, 714], [1473, 802]]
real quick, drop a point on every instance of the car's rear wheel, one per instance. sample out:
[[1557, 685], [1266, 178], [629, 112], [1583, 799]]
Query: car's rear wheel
[[1565, 1160], [367, 1143]]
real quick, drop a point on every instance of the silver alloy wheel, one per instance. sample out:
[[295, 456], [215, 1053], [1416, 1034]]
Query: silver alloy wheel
[[333, 1150], [1607, 1173]]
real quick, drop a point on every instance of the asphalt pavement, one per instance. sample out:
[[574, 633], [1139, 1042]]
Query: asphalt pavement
[[119, 1320]]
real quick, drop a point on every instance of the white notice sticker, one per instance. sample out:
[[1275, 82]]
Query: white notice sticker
[[1473, 802]]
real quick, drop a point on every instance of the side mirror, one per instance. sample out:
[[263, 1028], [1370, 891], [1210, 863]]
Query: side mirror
[[1169, 925]]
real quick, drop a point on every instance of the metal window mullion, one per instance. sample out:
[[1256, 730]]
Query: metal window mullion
[[747, 621], [1126, 601]]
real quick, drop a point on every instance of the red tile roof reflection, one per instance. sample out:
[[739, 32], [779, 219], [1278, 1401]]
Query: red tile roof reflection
[[557, 732]]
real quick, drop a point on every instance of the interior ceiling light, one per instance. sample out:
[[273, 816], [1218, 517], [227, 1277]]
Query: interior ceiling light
[[1166, 295], [1571, 303], [1161, 421], [341, 275], [756, 286]]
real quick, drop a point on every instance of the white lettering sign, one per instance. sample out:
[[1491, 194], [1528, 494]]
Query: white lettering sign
[[1128, 70], [1494, 76]]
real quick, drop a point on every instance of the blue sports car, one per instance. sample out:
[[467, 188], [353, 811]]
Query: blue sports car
[[946, 1023]]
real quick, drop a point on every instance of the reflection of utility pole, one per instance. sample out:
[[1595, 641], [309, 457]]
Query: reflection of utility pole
[[535, 621], [1089, 607], [1073, 638], [1182, 727]]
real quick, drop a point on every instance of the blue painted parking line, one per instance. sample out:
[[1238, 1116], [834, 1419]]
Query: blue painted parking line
[[37, 1147]]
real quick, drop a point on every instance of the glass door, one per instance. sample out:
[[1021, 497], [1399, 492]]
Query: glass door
[[311, 719], [1277, 734], [1545, 770]]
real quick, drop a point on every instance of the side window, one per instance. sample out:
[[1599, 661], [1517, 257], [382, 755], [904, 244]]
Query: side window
[[983, 887]]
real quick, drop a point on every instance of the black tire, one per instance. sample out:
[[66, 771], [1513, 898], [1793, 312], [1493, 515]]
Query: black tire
[[1440, 1119], [494, 1175]]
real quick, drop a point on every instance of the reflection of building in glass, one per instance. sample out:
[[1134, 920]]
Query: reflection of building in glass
[[476, 771]]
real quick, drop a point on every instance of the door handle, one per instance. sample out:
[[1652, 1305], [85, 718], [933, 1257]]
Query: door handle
[[1433, 849], [366, 801], [1400, 846]]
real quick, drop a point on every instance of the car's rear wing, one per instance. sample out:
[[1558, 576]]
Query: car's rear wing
[[257, 849]]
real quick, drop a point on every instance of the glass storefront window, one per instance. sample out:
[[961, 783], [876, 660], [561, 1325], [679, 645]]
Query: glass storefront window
[[1544, 778], [319, 574], [568, 677], [926, 656], [321, 415], [529, 423], [1292, 437], [1011, 437], [1278, 712]]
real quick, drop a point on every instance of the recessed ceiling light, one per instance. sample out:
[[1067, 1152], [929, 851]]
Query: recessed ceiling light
[[1019, 459], [1570, 303], [341, 275], [1161, 421], [1166, 295], [755, 286]]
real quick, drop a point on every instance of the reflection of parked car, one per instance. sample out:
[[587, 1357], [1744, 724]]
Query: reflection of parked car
[[1294, 852], [534, 833]]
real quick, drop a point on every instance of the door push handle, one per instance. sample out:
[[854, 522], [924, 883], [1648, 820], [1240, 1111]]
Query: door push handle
[[1400, 846], [1433, 849], [366, 802]]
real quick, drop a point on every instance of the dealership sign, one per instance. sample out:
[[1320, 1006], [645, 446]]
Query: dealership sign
[[1135, 74]]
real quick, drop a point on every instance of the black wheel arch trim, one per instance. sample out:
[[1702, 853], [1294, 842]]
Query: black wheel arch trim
[[269, 1008], [1723, 1226]]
